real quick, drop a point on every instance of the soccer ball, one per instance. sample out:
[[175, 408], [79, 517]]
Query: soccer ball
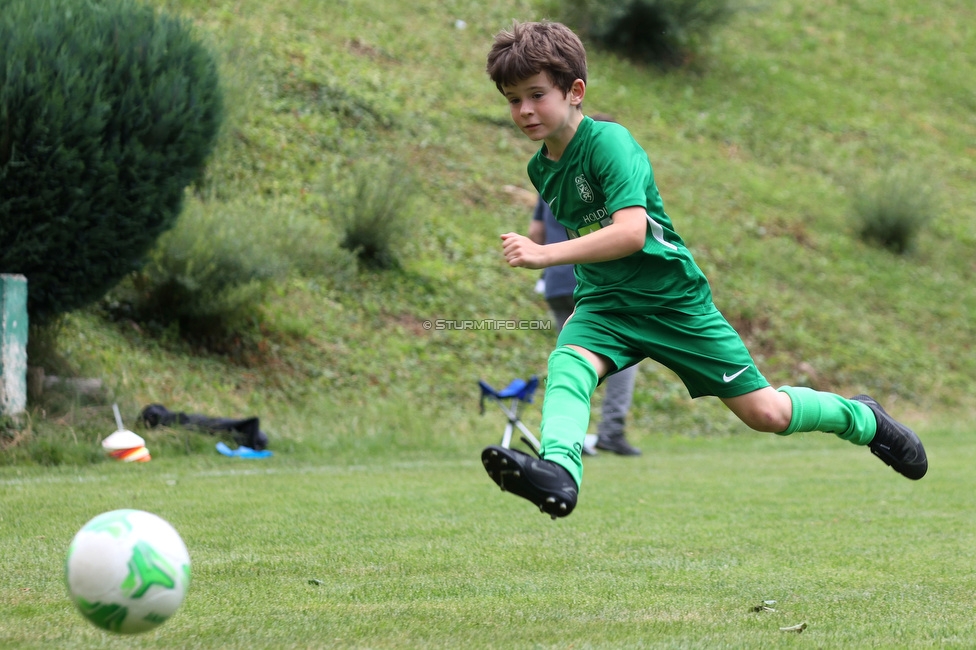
[[127, 571]]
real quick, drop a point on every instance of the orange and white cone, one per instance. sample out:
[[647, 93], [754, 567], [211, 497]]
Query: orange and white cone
[[126, 446]]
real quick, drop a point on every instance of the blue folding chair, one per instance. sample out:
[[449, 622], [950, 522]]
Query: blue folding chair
[[510, 399]]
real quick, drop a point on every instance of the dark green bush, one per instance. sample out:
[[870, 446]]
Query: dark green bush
[[108, 110], [892, 211], [667, 33]]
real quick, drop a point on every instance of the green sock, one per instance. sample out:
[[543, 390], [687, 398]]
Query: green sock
[[566, 409], [830, 413]]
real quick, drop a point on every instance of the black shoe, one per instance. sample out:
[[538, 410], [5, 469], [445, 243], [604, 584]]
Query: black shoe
[[896, 444], [618, 445], [543, 482]]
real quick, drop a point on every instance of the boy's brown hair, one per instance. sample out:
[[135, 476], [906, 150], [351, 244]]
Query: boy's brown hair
[[531, 48]]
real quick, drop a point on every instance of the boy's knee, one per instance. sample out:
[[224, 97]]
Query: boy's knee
[[567, 365], [600, 364], [765, 410], [769, 419]]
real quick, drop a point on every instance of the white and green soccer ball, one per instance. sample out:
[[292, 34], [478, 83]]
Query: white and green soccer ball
[[127, 571]]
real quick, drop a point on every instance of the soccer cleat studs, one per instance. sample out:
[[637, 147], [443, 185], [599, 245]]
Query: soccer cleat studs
[[544, 483]]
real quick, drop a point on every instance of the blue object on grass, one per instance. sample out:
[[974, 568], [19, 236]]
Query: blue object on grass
[[242, 452]]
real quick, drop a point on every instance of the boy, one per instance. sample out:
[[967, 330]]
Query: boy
[[640, 293]]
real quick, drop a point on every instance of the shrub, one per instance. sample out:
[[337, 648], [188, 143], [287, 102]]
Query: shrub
[[667, 33], [892, 211], [373, 208], [209, 275], [108, 110]]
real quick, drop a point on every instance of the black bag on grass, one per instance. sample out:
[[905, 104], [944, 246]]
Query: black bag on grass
[[246, 432]]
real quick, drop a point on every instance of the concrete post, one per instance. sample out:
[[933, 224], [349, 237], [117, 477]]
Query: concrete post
[[13, 344]]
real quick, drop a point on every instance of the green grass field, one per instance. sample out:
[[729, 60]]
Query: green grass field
[[375, 489], [670, 550]]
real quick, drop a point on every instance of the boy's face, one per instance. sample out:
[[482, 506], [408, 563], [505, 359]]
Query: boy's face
[[542, 111]]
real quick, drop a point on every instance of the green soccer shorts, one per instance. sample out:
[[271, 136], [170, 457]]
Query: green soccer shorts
[[704, 350]]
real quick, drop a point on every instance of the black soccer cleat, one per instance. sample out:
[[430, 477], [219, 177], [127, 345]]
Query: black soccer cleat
[[546, 484], [896, 444]]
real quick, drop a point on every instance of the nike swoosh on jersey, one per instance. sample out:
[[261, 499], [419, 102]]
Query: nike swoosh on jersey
[[727, 378]]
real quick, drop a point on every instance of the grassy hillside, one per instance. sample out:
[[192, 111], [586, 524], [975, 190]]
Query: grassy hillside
[[758, 151]]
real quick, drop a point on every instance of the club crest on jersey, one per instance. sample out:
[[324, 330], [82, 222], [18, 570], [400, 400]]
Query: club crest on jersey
[[583, 187]]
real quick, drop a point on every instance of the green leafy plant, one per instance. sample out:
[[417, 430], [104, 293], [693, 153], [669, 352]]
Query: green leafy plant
[[209, 275], [893, 211], [374, 209], [108, 110]]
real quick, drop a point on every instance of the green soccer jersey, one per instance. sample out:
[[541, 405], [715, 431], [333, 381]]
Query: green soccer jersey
[[604, 170]]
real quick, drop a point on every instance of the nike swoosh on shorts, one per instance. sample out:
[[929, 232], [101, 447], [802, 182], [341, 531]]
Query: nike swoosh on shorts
[[727, 378]]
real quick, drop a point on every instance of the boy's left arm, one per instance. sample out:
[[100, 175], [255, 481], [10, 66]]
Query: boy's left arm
[[623, 237]]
